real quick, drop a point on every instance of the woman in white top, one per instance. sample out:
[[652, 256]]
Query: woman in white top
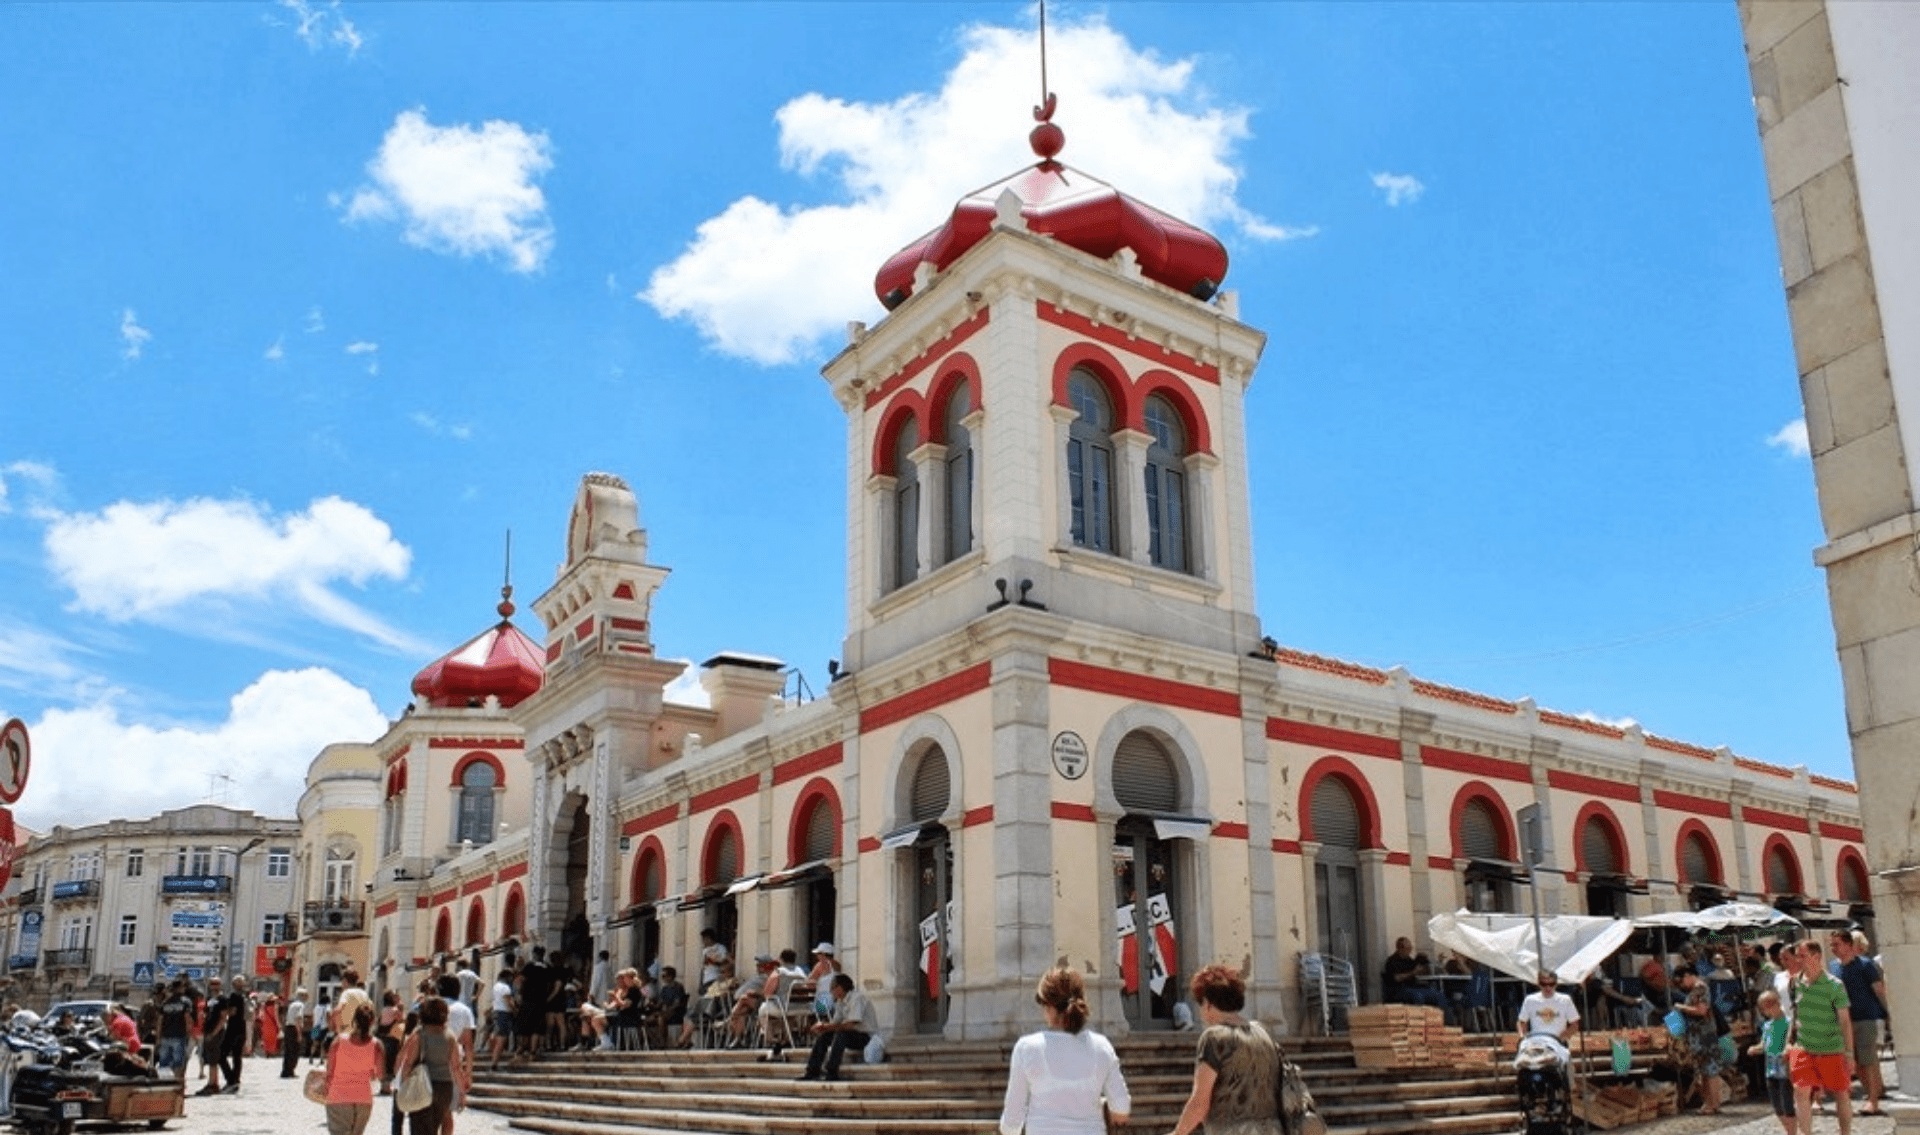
[[1062, 1076]]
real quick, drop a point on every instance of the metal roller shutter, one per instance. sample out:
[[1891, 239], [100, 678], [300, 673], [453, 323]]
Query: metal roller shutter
[[1780, 873], [1480, 831], [1336, 814], [1696, 861], [1596, 848], [931, 787], [726, 858], [1144, 779], [819, 840]]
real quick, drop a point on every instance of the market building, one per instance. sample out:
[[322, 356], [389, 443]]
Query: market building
[[1058, 731]]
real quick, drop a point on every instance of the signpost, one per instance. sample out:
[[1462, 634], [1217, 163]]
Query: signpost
[[16, 759]]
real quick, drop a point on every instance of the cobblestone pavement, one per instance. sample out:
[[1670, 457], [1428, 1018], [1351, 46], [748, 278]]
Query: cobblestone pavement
[[268, 1105]]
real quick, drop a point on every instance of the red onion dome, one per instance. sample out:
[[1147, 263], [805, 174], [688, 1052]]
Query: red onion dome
[[500, 661], [1077, 210]]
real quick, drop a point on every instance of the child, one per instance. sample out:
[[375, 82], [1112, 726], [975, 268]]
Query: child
[[1773, 1046]]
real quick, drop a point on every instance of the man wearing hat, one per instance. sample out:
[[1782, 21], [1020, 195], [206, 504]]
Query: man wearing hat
[[754, 995]]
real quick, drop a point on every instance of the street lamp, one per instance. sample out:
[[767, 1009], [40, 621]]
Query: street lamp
[[235, 965]]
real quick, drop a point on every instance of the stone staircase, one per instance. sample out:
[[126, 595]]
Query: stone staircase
[[941, 1088]]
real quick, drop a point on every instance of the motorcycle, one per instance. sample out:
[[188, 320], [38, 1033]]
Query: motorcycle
[[60, 1081]]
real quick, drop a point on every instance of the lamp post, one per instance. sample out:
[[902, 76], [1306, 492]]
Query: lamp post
[[235, 963]]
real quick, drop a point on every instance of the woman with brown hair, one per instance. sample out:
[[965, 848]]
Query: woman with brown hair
[[1237, 1072], [1065, 1080]]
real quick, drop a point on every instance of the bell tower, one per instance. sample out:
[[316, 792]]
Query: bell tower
[[1051, 414]]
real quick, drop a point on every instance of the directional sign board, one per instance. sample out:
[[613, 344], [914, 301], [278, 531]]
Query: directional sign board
[[16, 756]]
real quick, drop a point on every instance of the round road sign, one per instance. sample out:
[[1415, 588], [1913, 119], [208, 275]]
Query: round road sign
[[16, 756]]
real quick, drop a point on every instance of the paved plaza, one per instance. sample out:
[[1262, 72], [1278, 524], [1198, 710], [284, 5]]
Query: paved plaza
[[268, 1105]]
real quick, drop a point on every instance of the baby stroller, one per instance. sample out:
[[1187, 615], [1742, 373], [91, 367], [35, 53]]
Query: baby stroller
[[1546, 1097]]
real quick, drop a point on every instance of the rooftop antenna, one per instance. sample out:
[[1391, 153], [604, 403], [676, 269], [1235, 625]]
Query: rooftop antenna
[[1046, 138], [506, 581]]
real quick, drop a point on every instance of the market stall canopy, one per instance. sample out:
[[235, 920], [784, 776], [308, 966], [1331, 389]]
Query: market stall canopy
[[1575, 944], [1726, 916]]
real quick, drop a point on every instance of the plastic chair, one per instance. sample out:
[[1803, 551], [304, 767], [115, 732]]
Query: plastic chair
[[1329, 990], [1479, 1007]]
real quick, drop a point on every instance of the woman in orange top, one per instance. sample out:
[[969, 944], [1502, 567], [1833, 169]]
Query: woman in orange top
[[353, 1063]]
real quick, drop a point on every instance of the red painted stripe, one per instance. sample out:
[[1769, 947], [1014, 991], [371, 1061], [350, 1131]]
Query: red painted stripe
[[391, 906], [1062, 810], [939, 350], [1114, 337], [475, 886], [1399, 859], [1842, 831], [553, 650], [807, 764], [440, 898], [623, 591], [1697, 805], [953, 687], [1781, 820], [513, 871], [1439, 863], [420, 902], [1327, 737], [869, 843], [981, 815], [659, 817], [1228, 829], [475, 743], [725, 794], [1491, 767], [1159, 691], [627, 624], [1593, 786], [1287, 846], [585, 628]]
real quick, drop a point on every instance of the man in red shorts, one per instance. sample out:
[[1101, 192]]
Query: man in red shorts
[[1820, 1047]]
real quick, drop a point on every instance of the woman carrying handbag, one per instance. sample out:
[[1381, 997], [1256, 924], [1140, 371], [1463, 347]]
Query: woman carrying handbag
[[430, 1049], [354, 1062]]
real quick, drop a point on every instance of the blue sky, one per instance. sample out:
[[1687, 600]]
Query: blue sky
[[309, 303]]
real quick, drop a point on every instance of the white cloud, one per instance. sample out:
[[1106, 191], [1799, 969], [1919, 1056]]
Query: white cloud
[[1610, 722], [369, 351], [277, 351], [133, 337], [438, 428], [323, 25], [1792, 438], [462, 190], [316, 320], [165, 560], [766, 282], [1400, 188], [686, 689], [93, 763], [38, 479]]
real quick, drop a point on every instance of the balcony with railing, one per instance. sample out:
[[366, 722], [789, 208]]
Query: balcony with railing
[[69, 959], [75, 890], [320, 919]]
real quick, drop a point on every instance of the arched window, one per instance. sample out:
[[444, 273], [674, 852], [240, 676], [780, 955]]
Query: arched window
[[1481, 831], [1336, 814], [723, 853], [906, 505], [1166, 486], [443, 932], [959, 475], [649, 876], [932, 789], [1853, 877], [1598, 852], [476, 802], [820, 834], [1145, 778], [513, 918], [1698, 861], [476, 923], [1090, 462], [1782, 871]]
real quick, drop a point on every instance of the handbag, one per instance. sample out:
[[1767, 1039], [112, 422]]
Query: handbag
[[1298, 1116], [315, 1086], [415, 1090]]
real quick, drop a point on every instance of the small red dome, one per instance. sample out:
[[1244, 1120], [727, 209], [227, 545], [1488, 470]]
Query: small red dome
[[1077, 210], [500, 662]]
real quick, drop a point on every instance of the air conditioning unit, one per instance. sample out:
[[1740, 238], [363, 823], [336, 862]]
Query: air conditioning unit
[[336, 919]]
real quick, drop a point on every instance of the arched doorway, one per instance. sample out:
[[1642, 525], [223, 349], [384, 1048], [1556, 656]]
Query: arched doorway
[[1483, 836], [573, 940], [1147, 881], [1339, 901], [816, 899], [930, 891]]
